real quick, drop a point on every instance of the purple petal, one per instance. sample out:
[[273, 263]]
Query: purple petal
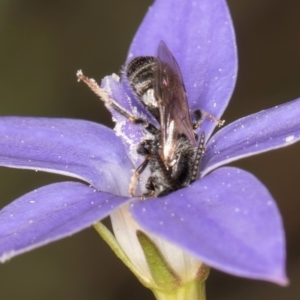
[[51, 213], [266, 130], [201, 37], [76, 148], [132, 134], [228, 220]]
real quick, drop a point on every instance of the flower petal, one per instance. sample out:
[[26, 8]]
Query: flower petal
[[266, 130], [227, 219], [201, 37], [131, 134], [51, 213], [76, 148], [125, 229]]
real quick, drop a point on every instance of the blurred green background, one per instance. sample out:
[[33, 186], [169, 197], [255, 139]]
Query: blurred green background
[[44, 43]]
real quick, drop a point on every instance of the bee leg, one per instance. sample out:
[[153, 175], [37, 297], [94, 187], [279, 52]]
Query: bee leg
[[200, 115], [93, 85], [137, 174], [148, 126], [150, 187], [199, 154], [197, 118]]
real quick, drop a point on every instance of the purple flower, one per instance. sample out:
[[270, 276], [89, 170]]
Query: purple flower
[[226, 219]]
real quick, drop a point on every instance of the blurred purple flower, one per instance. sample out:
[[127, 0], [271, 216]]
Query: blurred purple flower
[[227, 219]]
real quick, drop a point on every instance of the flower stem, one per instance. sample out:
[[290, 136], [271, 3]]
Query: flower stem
[[194, 290]]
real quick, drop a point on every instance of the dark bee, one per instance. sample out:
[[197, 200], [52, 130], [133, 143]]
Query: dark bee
[[173, 152], [172, 155]]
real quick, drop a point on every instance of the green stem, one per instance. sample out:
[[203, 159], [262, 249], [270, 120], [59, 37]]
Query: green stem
[[191, 291]]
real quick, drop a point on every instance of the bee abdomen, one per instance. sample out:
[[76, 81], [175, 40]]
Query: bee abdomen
[[140, 74]]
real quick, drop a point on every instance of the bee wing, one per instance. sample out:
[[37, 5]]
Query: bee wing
[[172, 101]]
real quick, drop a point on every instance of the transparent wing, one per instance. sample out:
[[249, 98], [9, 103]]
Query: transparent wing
[[172, 101]]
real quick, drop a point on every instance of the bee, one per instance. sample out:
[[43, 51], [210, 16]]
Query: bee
[[173, 152], [173, 155]]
